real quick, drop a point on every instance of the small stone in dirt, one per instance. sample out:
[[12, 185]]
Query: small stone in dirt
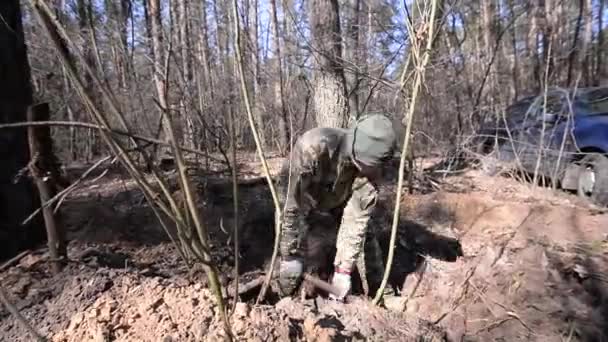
[[75, 322], [394, 303], [29, 260], [93, 313], [314, 331], [105, 313], [241, 309]]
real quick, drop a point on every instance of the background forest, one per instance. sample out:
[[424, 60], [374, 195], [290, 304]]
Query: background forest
[[137, 254], [310, 62]]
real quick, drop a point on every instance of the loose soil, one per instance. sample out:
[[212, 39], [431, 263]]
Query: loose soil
[[533, 268]]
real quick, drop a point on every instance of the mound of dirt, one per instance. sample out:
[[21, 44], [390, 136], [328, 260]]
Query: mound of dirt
[[534, 266], [102, 304]]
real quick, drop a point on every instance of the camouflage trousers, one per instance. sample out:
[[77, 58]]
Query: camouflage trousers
[[369, 262]]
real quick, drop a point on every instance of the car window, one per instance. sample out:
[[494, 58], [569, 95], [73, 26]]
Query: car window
[[597, 100], [519, 108], [555, 104]]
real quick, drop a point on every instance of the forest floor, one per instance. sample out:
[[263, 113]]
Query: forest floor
[[534, 269]]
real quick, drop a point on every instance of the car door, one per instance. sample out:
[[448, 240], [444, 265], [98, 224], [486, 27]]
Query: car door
[[518, 118], [547, 140]]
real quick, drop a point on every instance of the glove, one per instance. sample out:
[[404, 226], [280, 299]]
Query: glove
[[342, 282], [290, 275]]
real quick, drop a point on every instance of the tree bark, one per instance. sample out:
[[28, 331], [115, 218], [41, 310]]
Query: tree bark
[[17, 200], [599, 66], [330, 98], [353, 53], [586, 65], [283, 122], [254, 56], [572, 55], [158, 57]]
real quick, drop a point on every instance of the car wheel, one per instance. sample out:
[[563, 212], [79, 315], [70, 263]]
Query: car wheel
[[593, 179]]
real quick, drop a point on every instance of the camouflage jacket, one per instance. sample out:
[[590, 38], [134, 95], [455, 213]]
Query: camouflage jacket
[[322, 177]]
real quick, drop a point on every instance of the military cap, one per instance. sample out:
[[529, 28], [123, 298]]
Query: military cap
[[372, 139]]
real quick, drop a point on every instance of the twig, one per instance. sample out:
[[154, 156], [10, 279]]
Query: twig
[[416, 286], [464, 287], [14, 260], [246, 287], [256, 138], [107, 129], [15, 312], [200, 246], [60, 40], [408, 129], [63, 194], [235, 203]]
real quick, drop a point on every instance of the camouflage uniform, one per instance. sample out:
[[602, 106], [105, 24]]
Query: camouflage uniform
[[322, 177]]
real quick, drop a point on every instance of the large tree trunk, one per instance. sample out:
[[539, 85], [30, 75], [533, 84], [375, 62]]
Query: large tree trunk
[[330, 98], [586, 46], [283, 125], [251, 28], [17, 201], [156, 32], [353, 54], [599, 66]]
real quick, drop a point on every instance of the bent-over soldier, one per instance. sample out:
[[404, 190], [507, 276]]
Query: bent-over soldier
[[333, 168]]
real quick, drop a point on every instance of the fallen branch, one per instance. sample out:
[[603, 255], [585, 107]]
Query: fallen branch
[[14, 260], [246, 287]]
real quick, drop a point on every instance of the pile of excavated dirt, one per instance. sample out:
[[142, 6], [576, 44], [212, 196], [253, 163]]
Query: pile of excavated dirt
[[534, 266], [534, 269], [90, 302]]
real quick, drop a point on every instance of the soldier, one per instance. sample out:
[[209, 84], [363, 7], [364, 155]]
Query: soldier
[[335, 170]]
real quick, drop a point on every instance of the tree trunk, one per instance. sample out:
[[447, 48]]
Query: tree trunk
[[599, 66], [515, 58], [532, 47], [585, 48], [353, 54], [283, 122], [158, 57], [17, 200], [572, 55], [251, 28], [330, 98]]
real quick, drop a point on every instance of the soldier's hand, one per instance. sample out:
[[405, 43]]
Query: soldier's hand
[[290, 275], [342, 282]]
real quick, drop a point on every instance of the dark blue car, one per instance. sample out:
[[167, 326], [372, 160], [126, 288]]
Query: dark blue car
[[560, 136]]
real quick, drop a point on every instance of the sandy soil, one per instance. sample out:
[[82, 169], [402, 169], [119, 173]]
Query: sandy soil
[[534, 269]]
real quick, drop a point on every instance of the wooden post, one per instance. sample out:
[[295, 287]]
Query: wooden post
[[39, 139]]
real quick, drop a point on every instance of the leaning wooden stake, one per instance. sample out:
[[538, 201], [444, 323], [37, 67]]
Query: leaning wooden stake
[[418, 78], [43, 180]]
